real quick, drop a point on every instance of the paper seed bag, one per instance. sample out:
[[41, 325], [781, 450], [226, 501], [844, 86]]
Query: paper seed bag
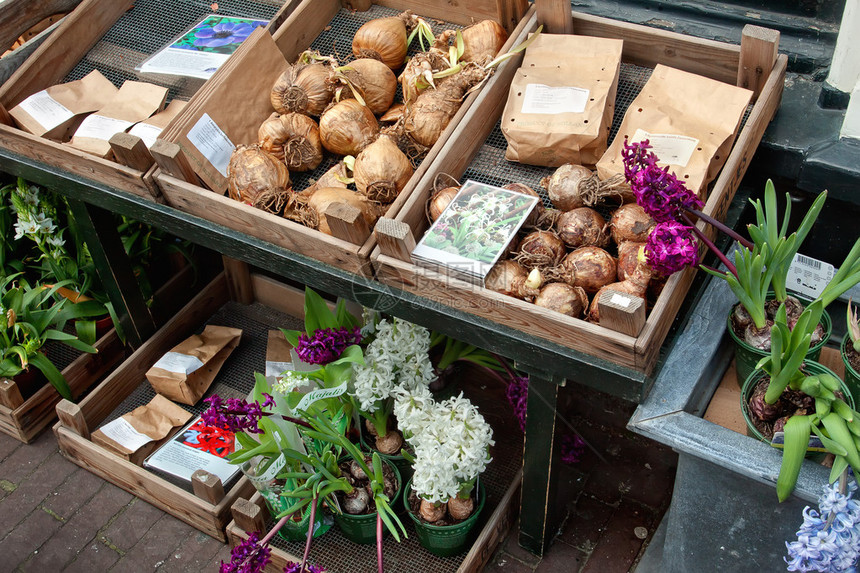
[[149, 130], [57, 110], [560, 109], [135, 101], [690, 120], [186, 372], [134, 435]]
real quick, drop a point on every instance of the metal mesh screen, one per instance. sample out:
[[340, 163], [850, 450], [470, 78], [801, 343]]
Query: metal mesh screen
[[236, 377], [148, 27], [491, 167], [340, 555]]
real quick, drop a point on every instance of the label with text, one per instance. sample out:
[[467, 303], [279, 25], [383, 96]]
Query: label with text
[[668, 147], [213, 143], [545, 99], [46, 110]]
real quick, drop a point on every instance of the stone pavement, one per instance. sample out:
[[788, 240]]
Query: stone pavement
[[55, 516]]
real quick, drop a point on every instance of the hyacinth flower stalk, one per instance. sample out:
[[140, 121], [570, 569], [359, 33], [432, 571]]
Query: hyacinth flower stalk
[[829, 538]]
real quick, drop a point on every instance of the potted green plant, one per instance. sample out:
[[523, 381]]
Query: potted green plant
[[850, 350], [31, 317]]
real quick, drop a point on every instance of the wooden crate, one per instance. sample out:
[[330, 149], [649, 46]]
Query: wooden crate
[[352, 244], [25, 419], [208, 508], [754, 64], [49, 64]]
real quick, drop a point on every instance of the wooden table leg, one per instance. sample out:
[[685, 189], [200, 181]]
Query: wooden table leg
[[539, 515]]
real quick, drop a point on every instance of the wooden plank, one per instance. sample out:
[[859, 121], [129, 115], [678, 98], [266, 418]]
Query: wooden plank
[[303, 26], [495, 530], [10, 394], [357, 5], [258, 223], [463, 13], [395, 239], [512, 312], [278, 295], [346, 222], [116, 387], [759, 49], [5, 118], [648, 47], [554, 16], [248, 516], [207, 487], [72, 417], [238, 280], [67, 46], [282, 14], [172, 161], [130, 150], [621, 312], [211, 519], [73, 160], [18, 16]]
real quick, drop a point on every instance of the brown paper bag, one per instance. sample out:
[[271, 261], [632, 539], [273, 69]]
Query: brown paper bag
[[560, 111], [149, 130], [229, 109], [135, 101], [278, 356], [56, 111], [186, 372], [691, 121], [135, 435]]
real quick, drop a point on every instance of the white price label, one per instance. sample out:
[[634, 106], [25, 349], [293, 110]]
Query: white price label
[[620, 300], [46, 110], [178, 363], [545, 99], [101, 127], [123, 433], [668, 147], [148, 133], [808, 276], [213, 143]]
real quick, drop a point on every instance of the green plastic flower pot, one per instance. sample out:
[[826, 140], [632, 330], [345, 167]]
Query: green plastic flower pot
[[298, 530], [362, 528], [404, 468], [746, 356], [852, 377], [447, 540], [749, 385]]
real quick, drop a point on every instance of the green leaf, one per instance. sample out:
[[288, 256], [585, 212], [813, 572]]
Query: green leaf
[[54, 376], [797, 431], [844, 410], [839, 432], [317, 313], [840, 464], [86, 330], [832, 446]]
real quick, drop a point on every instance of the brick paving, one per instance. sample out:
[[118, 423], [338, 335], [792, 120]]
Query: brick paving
[[59, 517]]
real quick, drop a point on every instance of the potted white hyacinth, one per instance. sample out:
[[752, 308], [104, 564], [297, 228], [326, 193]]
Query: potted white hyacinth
[[396, 362], [451, 442]]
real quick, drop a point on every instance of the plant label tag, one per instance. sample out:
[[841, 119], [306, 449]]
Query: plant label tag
[[123, 433], [147, 132], [808, 276], [101, 127], [178, 363], [668, 147], [545, 99], [815, 444], [213, 143], [275, 369], [46, 110], [320, 394], [270, 472]]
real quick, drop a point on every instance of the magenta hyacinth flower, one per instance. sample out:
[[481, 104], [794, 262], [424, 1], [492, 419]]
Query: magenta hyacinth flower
[[327, 344], [671, 246]]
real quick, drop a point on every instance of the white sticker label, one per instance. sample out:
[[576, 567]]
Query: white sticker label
[[545, 99], [321, 394], [213, 143], [808, 276], [178, 363], [620, 300], [669, 148], [101, 127], [46, 110], [148, 133], [123, 433], [277, 368]]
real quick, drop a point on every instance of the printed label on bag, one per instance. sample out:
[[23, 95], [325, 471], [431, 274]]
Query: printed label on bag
[[277, 368], [808, 276], [213, 143], [101, 127], [46, 110], [545, 99], [123, 433], [668, 147], [321, 394], [178, 363], [148, 133]]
